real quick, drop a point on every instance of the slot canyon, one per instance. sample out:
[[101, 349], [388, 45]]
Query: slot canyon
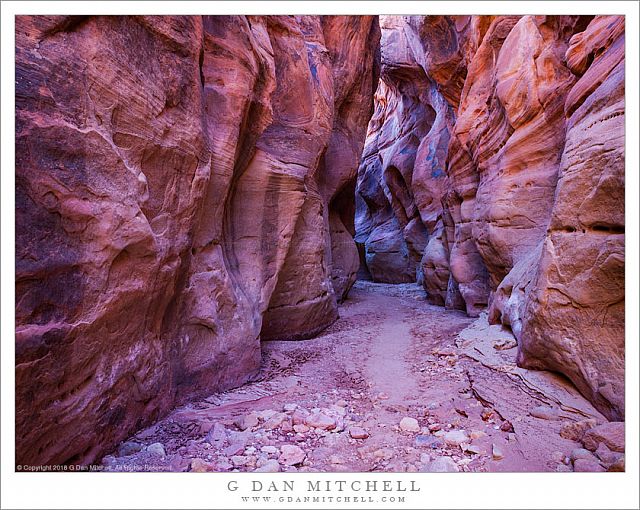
[[320, 243]]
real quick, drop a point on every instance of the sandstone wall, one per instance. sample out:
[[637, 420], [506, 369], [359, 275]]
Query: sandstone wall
[[175, 177], [495, 155]]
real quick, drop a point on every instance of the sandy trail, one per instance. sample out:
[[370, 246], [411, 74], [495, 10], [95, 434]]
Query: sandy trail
[[339, 399]]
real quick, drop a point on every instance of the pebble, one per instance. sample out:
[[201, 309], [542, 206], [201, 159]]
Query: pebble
[[545, 413], [472, 448], [506, 426], [434, 427], [129, 448], [239, 460], [618, 465], [383, 453], [269, 449], [156, 449], [200, 466], [456, 437], [291, 455], [606, 455], [477, 434], [441, 465], [409, 424], [582, 453], [266, 414], [496, 452], [271, 466], [587, 466], [234, 449], [320, 421], [289, 407], [217, 434], [428, 442], [246, 422], [610, 433], [574, 431], [301, 428], [299, 415], [274, 421], [358, 433]]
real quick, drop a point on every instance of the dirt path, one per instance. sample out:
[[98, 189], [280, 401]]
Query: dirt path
[[395, 384]]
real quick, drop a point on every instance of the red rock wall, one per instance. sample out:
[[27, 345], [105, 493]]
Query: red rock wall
[[508, 136], [174, 177]]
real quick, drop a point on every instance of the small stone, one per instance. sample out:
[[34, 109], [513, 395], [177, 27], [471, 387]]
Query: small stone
[[274, 421], [486, 414], [425, 441], [383, 453], [382, 396], [239, 460], [561, 468], [271, 466], [610, 433], [477, 434], [298, 416], [545, 413], [581, 453], [472, 448], [607, 457], [109, 460], [246, 422], [574, 431], [342, 403], [557, 457], [291, 455], [456, 437], [340, 411], [434, 427], [409, 424], [266, 414], [336, 459], [358, 433], [320, 421], [618, 465], [496, 452], [286, 426], [217, 434], [129, 448], [270, 450], [301, 428], [439, 433], [587, 466], [156, 449], [506, 426], [234, 449], [441, 465], [201, 466], [290, 407], [425, 458]]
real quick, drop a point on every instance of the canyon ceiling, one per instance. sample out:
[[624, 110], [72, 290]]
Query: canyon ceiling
[[188, 186]]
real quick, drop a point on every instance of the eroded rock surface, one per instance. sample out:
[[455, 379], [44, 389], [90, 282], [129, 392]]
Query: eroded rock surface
[[495, 159], [178, 191]]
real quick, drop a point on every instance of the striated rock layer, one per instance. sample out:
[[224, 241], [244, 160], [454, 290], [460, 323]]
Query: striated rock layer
[[180, 192], [493, 172]]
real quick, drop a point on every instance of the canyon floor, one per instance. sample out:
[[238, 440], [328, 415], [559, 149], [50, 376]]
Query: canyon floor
[[396, 384]]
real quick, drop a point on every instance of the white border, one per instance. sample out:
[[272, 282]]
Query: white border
[[139, 490]]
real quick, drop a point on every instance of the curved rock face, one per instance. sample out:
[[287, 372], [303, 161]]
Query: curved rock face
[[174, 176], [500, 139]]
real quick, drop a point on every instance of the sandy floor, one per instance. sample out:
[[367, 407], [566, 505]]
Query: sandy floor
[[337, 402]]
